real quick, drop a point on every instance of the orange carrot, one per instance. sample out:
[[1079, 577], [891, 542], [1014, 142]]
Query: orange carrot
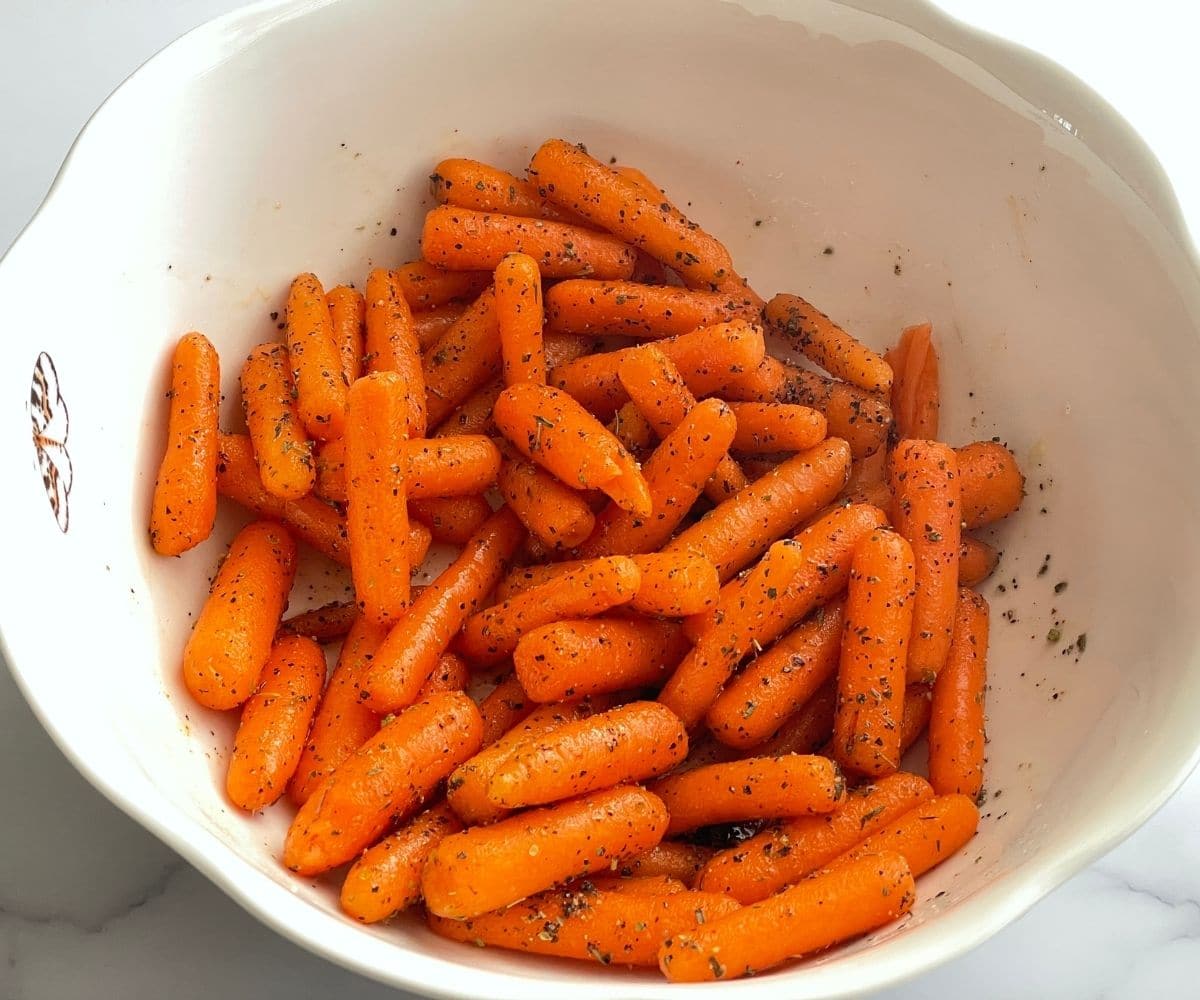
[[347, 314], [475, 185], [992, 484], [641, 885], [672, 858], [825, 343], [377, 423], [316, 360], [386, 879], [391, 343], [956, 722], [452, 520], [518, 285], [782, 855], [817, 913], [639, 177], [765, 428], [430, 324], [420, 538], [675, 584], [631, 743], [411, 649], [924, 836], [915, 393], [460, 239], [629, 309], [343, 721], [917, 709], [810, 729], [463, 465], [588, 589], [329, 461], [779, 682], [752, 788], [927, 510], [450, 673], [465, 358], [274, 723], [385, 780], [425, 286], [878, 622], [474, 416], [555, 514], [574, 659], [231, 639], [185, 492], [324, 624], [505, 706], [549, 427], [281, 447], [633, 430], [976, 561], [487, 867]]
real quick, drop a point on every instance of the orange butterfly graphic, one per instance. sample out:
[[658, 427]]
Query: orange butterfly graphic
[[48, 412]]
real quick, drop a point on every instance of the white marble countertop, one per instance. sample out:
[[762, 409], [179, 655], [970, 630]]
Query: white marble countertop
[[149, 926]]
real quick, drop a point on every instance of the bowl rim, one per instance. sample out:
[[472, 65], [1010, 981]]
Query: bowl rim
[[272, 903]]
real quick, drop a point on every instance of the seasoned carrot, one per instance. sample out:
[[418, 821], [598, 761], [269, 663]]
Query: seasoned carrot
[[549, 427], [927, 510], [316, 360], [185, 492], [810, 728], [429, 324], [821, 911], [752, 788], [782, 855], [343, 721], [737, 531], [976, 561], [347, 315], [590, 924], [281, 446], [411, 649], [825, 343], [386, 879], [672, 858], [675, 584], [917, 708], [574, 659], [992, 483], [274, 723], [450, 673], [487, 867], [779, 682], [633, 430], [924, 836], [465, 358], [391, 343], [878, 623], [425, 286], [631, 743], [505, 706], [385, 780], [767, 428], [675, 474], [916, 394], [589, 588], [484, 188], [558, 516], [641, 885], [329, 462], [462, 465], [461, 239], [452, 520], [630, 309], [648, 271], [324, 624], [420, 538], [956, 722], [639, 177], [518, 285], [231, 639], [474, 416], [377, 424]]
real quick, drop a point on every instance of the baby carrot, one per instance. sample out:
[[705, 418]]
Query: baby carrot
[[956, 722], [231, 639], [915, 392], [751, 788], [487, 867], [274, 723], [558, 516], [430, 324], [782, 855], [391, 344], [479, 186], [642, 885], [574, 659], [386, 879], [672, 858], [630, 309], [281, 447], [343, 722], [633, 430], [420, 538], [474, 416], [324, 624], [451, 466], [377, 423], [927, 510], [774, 427], [992, 484], [316, 360], [737, 531], [878, 622], [552, 429], [503, 708], [518, 285], [185, 492], [347, 314], [976, 561], [461, 239], [588, 589], [810, 728], [825, 343], [631, 743], [675, 584], [924, 836], [465, 358], [779, 682], [917, 709], [425, 286], [411, 649], [452, 520], [385, 780], [821, 911], [450, 673]]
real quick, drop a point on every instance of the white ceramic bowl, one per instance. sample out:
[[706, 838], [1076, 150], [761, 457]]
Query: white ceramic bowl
[[955, 179]]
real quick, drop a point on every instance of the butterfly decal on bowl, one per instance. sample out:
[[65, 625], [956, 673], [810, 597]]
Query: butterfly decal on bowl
[[48, 413]]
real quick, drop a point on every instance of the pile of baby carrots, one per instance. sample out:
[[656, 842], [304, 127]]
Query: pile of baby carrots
[[696, 585]]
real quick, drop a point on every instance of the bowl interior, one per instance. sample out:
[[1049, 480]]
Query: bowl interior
[[838, 154]]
